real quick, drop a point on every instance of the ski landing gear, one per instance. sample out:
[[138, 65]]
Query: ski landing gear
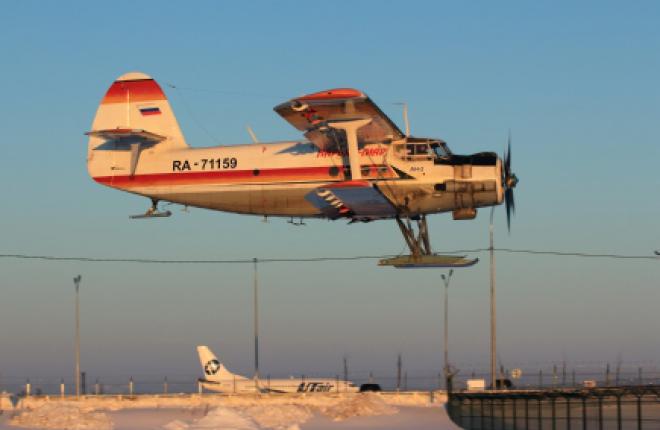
[[421, 254], [152, 212]]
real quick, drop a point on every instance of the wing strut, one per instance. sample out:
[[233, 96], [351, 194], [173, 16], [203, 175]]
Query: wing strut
[[351, 128], [136, 149]]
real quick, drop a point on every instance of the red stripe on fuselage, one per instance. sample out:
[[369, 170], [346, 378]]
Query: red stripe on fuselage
[[228, 177], [350, 184]]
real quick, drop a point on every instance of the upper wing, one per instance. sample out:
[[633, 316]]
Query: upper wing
[[311, 114]]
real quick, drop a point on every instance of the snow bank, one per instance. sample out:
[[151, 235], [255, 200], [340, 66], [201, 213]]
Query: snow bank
[[276, 412], [285, 417], [367, 404], [176, 425], [218, 418], [65, 416], [415, 399]]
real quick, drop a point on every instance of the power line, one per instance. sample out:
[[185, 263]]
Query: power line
[[318, 259], [578, 254], [190, 112], [161, 261], [225, 92]]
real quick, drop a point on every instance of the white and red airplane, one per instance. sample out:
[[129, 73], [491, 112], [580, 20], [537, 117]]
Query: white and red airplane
[[355, 164]]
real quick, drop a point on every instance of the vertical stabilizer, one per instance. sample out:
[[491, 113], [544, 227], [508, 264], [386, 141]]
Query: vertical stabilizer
[[135, 106], [213, 369]]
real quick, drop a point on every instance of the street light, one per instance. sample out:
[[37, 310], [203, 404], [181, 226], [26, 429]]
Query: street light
[[76, 282], [446, 280], [256, 325], [493, 329]]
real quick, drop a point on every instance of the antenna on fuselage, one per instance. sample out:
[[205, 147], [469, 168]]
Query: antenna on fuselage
[[252, 135], [405, 116]]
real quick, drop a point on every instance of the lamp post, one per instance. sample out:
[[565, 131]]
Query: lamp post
[[445, 280], [256, 326], [493, 331], [76, 282]]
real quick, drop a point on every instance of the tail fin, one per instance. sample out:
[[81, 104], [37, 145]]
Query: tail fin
[[134, 111], [213, 369]]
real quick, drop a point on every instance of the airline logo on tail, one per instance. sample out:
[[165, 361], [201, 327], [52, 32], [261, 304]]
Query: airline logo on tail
[[212, 367]]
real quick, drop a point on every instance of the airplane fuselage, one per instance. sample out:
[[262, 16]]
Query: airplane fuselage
[[244, 386], [273, 179]]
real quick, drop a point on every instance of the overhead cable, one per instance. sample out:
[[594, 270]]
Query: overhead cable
[[317, 259]]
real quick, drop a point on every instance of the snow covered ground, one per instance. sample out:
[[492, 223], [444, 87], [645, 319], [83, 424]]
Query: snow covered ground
[[304, 412]]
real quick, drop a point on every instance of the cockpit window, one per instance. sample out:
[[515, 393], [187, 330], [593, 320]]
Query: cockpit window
[[422, 149], [417, 149], [439, 150]]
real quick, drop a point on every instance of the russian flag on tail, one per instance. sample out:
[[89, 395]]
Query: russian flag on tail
[[150, 111]]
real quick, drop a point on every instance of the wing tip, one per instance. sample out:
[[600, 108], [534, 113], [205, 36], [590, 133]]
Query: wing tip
[[333, 94]]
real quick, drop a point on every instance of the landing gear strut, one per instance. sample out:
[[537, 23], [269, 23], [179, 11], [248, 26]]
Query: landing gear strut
[[419, 243], [421, 254], [152, 212]]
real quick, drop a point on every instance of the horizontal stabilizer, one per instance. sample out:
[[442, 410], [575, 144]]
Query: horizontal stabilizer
[[124, 133]]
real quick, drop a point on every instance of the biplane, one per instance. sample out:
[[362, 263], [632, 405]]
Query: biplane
[[354, 164]]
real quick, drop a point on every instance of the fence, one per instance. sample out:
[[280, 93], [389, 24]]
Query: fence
[[189, 384], [549, 378], [555, 377], [622, 408]]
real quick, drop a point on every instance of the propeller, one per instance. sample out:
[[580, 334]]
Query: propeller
[[509, 180]]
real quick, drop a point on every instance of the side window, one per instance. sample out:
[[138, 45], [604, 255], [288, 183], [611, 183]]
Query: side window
[[410, 149]]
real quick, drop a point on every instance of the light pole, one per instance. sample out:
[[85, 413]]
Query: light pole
[[76, 281], [445, 280], [256, 326], [493, 331]]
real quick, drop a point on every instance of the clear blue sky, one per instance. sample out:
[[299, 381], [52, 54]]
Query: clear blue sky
[[577, 83]]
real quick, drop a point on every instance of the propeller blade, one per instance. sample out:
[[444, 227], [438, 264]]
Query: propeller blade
[[513, 202], [509, 181], [509, 206]]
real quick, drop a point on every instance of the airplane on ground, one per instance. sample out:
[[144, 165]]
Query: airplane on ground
[[354, 164], [218, 378]]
